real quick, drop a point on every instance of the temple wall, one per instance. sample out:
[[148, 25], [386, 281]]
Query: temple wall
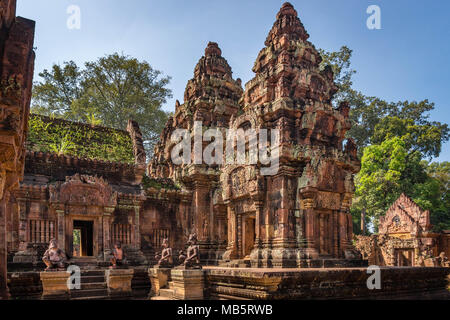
[[405, 238], [444, 242], [16, 77], [344, 283], [161, 220]]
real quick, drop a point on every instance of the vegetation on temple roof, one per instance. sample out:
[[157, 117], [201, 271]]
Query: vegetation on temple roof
[[159, 183], [54, 135]]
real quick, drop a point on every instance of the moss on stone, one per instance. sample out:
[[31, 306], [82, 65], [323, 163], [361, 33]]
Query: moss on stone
[[54, 135]]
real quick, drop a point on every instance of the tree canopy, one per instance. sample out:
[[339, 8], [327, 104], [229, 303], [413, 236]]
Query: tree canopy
[[394, 139], [108, 91]]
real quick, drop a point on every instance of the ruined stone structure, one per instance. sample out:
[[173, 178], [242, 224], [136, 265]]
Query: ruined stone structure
[[236, 213], [62, 193], [211, 97], [298, 216], [405, 238], [16, 74]]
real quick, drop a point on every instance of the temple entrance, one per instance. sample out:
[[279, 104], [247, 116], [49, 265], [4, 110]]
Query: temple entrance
[[248, 235], [83, 245], [405, 257]]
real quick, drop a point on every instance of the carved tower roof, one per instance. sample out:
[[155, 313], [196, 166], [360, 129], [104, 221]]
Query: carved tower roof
[[211, 96], [289, 67], [405, 216]]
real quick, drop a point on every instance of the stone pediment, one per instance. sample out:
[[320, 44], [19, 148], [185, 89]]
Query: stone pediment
[[404, 216], [83, 190]]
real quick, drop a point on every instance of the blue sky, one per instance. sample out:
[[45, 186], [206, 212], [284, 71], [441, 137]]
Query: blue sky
[[408, 59]]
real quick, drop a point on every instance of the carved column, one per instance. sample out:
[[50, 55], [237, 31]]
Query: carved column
[[239, 235], [259, 223], [345, 224], [343, 232], [311, 225], [202, 210], [107, 230], [137, 233], [232, 250], [23, 227], [61, 223], [257, 255], [335, 234], [4, 292], [322, 233]]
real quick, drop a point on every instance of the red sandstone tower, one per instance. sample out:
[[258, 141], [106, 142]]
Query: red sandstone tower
[[300, 216], [211, 98]]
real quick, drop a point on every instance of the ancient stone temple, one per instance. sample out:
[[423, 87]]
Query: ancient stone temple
[[85, 189], [210, 98], [301, 213], [405, 238], [64, 196], [299, 216], [16, 74]]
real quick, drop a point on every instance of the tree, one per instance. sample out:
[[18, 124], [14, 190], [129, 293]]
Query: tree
[[59, 89], [393, 138], [378, 184], [108, 91], [411, 123], [375, 120], [434, 194]]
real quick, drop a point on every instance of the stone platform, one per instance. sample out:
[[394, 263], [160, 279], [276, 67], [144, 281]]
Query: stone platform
[[262, 284], [307, 263], [325, 283], [27, 285]]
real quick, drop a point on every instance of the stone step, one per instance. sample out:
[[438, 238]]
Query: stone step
[[167, 293], [160, 298], [88, 293], [93, 285], [170, 285], [93, 273], [92, 279], [92, 298]]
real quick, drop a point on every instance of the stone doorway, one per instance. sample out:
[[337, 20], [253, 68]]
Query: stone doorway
[[405, 257], [248, 235], [83, 236]]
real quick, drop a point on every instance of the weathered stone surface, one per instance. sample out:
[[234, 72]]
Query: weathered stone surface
[[212, 98], [159, 278], [302, 212], [405, 238], [345, 283], [25, 285], [119, 282], [55, 285], [16, 77], [187, 284]]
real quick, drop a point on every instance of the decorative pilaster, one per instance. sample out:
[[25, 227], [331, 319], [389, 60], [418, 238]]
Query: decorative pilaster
[[23, 227], [232, 248], [61, 223], [106, 220], [307, 206], [137, 233], [4, 292]]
